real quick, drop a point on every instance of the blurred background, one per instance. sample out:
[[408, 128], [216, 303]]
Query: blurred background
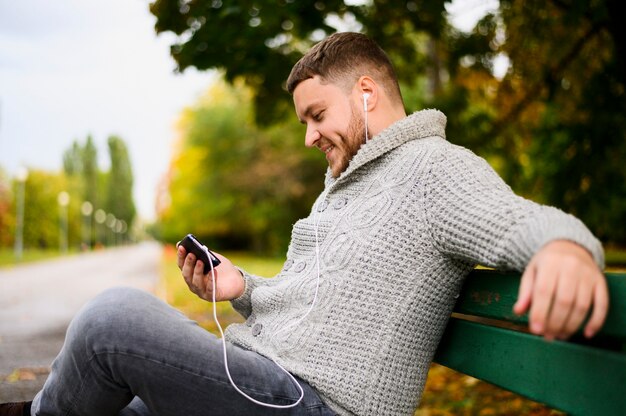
[[122, 121], [172, 116]]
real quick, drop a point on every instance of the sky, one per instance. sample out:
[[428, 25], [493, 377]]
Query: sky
[[73, 68]]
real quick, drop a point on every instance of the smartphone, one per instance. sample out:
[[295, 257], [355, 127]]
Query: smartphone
[[193, 245]]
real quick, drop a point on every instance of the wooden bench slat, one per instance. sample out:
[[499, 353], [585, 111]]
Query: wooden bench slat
[[578, 379], [615, 324], [492, 294]]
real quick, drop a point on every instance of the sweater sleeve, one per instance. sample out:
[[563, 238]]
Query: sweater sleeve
[[475, 216], [243, 304]]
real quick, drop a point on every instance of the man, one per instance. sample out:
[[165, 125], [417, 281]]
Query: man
[[370, 278]]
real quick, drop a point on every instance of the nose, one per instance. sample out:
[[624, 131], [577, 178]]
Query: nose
[[311, 137]]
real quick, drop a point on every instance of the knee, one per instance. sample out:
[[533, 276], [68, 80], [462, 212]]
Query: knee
[[112, 317]]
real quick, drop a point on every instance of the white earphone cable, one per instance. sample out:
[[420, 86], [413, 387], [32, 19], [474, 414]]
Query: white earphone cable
[[317, 265], [365, 97], [275, 406], [317, 286]]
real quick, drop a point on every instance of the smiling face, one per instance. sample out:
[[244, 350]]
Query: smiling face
[[333, 121]]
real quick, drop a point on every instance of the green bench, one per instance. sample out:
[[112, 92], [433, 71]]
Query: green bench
[[486, 340]]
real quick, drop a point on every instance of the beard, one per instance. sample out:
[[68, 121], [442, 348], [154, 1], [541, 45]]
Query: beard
[[350, 143]]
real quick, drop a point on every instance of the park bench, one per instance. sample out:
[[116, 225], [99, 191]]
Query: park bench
[[486, 340]]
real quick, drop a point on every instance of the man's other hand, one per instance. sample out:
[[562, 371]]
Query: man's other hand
[[560, 285]]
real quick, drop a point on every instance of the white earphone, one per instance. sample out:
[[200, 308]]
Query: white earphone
[[365, 97]]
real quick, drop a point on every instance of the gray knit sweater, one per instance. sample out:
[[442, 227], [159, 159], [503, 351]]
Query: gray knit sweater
[[397, 233]]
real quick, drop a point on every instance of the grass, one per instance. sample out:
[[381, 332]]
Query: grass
[[447, 392], [7, 256]]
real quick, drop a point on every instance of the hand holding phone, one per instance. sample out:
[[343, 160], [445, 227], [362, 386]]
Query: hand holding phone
[[193, 245]]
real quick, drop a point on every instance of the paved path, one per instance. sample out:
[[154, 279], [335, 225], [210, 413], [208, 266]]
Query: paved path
[[38, 300]]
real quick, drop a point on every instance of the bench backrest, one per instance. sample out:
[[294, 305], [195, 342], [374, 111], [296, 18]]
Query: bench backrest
[[486, 340]]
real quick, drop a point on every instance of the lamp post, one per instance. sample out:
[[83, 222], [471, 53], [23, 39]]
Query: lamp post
[[21, 177], [100, 216], [124, 229], [118, 232], [110, 222], [63, 199], [86, 209]]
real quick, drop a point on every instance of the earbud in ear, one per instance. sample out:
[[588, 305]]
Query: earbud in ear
[[365, 97]]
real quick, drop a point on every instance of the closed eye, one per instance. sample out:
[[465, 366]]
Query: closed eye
[[318, 116]]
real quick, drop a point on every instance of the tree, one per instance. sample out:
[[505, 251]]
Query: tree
[[90, 171], [7, 211], [236, 185], [111, 191], [562, 107], [73, 160], [553, 126], [80, 164], [42, 213], [119, 196], [258, 43]]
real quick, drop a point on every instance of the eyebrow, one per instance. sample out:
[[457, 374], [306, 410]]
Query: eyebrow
[[307, 111], [305, 114]]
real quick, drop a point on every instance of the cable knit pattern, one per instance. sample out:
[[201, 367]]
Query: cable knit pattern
[[397, 232]]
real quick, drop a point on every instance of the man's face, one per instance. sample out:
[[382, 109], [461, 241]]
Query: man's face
[[333, 121]]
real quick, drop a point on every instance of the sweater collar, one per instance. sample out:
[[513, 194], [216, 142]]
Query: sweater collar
[[419, 125]]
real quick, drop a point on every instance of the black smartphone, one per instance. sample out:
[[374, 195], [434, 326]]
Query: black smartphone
[[193, 245]]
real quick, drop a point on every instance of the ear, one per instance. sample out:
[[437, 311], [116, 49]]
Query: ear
[[367, 86]]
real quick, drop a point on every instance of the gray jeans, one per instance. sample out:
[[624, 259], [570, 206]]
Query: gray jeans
[[129, 353]]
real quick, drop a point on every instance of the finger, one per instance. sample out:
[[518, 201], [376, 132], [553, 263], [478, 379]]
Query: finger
[[210, 286], [209, 279], [579, 310], [562, 305], [543, 291], [188, 267], [198, 277], [525, 291], [180, 256], [600, 308]]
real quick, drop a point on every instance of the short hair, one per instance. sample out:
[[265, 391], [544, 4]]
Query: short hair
[[342, 58]]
